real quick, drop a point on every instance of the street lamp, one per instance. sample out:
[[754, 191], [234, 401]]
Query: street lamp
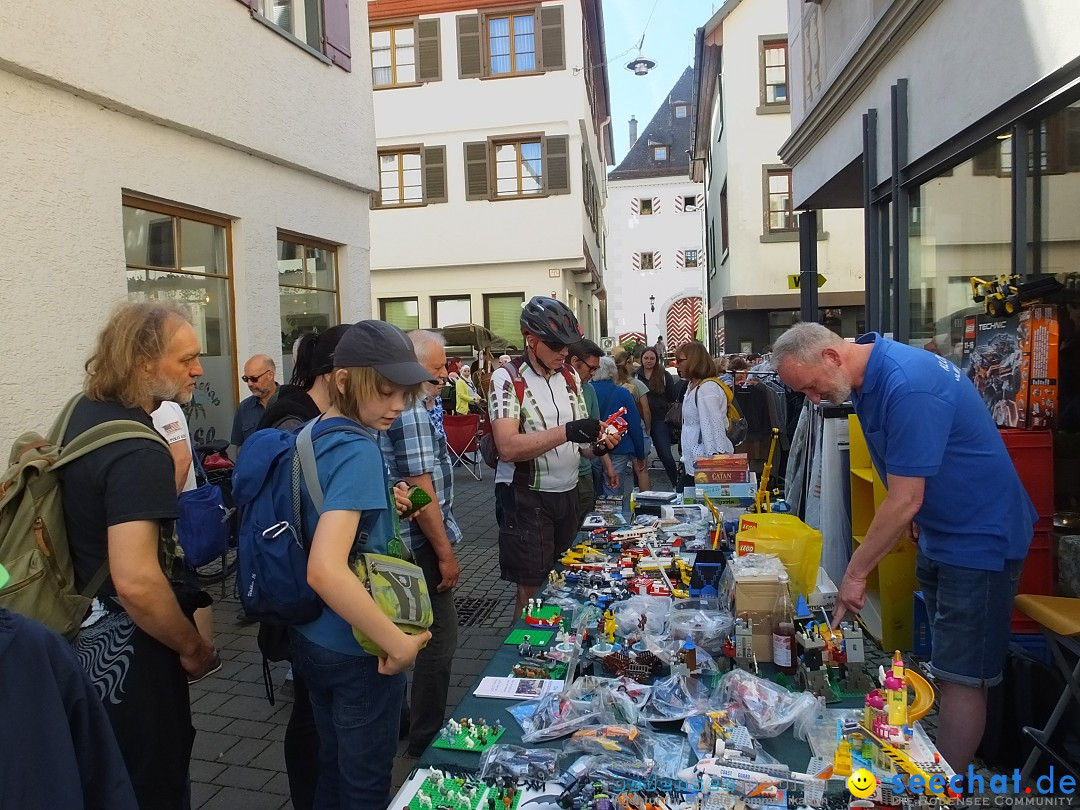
[[645, 319]]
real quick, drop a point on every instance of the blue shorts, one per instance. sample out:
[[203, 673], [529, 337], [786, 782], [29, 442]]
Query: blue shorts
[[970, 614]]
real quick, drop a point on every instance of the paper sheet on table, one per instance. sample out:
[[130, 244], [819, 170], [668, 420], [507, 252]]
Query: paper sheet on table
[[516, 688]]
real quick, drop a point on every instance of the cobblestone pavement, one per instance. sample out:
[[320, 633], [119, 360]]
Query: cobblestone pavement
[[238, 761]]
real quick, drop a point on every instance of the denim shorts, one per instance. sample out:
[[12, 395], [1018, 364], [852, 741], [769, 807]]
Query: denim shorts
[[970, 614]]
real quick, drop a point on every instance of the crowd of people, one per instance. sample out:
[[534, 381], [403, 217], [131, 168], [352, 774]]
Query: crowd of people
[[373, 398]]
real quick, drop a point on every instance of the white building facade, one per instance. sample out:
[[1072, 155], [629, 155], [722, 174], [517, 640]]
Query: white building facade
[[493, 138], [143, 158], [744, 78], [654, 215]]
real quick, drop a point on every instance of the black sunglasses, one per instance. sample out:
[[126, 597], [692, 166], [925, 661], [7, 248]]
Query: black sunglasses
[[248, 379], [555, 347]]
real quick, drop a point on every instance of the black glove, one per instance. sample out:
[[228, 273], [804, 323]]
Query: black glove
[[583, 431]]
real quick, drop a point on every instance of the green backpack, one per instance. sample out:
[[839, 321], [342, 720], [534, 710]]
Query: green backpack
[[33, 538]]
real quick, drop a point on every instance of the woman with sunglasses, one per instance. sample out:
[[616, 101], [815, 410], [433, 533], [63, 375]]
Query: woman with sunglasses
[[704, 410], [661, 394]]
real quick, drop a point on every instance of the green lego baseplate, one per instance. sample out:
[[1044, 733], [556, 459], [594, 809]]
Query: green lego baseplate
[[556, 670], [791, 685], [486, 798], [537, 638], [546, 613], [457, 742]]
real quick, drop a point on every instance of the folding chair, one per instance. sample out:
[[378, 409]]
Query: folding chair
[[463, 439], [1059, 618]]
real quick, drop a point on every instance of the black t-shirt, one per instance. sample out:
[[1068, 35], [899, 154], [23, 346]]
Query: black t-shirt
[[659, 403], [124, 481], [293, 408]]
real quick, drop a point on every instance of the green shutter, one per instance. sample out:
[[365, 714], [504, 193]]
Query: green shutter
[[552, 51], [504, 316], [470, 64], [428, 51], [435, 174], [477, 186], [557, 164]]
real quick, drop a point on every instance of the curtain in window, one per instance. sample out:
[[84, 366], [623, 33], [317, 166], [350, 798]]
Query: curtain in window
[[504, 316], [524, 43], [403, 313], [499, 44]]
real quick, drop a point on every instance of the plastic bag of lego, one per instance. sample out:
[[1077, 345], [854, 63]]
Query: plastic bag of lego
[[653, 609], [703, 621], [624, 741], [669, 755], [769, 708], [553, 716], [676, 698], [503, 761]]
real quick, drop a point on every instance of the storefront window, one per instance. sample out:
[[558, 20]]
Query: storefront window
[[960, 226], [172, 257], [307, 287]]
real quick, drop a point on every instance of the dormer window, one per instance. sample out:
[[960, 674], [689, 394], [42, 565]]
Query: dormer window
[[660, 153], [682, 110]]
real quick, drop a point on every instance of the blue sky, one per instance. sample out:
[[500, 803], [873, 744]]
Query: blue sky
[[669, 41]]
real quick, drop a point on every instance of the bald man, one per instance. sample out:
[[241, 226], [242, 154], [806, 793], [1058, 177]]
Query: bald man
[[259, 373]]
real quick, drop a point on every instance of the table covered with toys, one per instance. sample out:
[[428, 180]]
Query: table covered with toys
[[685, 657]]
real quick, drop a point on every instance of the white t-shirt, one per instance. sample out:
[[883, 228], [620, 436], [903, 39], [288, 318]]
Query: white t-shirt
[[170, 423]]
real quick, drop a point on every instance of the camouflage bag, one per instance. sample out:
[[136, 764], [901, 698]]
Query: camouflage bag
[[400, 591]]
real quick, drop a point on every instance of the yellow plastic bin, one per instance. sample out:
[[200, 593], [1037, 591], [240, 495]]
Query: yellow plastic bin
[[797, 545]]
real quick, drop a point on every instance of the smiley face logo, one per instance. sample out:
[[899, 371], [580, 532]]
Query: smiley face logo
[[862, 783]]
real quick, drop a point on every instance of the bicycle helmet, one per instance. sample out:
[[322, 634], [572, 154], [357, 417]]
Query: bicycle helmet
[[550, 320]]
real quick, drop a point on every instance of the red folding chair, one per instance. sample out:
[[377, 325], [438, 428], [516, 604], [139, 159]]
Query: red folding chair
[[463, 439]]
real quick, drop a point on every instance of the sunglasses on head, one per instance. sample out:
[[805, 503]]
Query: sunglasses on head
[[248, 379]]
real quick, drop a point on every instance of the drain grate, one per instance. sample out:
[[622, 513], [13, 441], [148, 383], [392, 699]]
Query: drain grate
[[471, 612]]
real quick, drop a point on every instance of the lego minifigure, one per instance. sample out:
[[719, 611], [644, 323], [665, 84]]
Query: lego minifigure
[[525, 649]]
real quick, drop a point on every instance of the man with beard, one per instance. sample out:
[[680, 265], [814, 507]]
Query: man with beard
[[139, 644], [931, 439]]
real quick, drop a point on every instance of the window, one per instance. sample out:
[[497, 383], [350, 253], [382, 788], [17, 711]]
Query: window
[[400, 179], [502, 315], [393, 55], [774, 73], [648, 261], [512, 43], [307, 290], [404, 313], [779, 214], [681, 110], [659, 153], [723, 221], [300, 18], [689, 203], [691, 257], [518, 168], [645, 206], [173, 254], [447, 311], [531, 165]]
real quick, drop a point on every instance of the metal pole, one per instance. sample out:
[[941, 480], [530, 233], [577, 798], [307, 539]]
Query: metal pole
[[645, 327]]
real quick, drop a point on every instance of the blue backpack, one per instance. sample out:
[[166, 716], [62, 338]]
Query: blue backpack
[[272, 549]]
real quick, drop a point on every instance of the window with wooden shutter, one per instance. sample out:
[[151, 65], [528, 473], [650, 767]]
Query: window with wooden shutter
[[470, 64], [393, 55], [435, 174], [428, 51], [557, 164], [336, 32], [401, 177], [477, 186], [552, 49], [519, 167]]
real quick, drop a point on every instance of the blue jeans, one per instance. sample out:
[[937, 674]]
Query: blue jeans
[[661, 436], [621, 462], [358, 715], [970, 611]]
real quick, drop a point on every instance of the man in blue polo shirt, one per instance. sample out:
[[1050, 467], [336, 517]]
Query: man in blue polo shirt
[[932, 439]]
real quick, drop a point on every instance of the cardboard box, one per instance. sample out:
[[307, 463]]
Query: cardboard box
[[732, 461], [721, 477], [733, 490], [756, 597], [1036, 401], [824, 594]]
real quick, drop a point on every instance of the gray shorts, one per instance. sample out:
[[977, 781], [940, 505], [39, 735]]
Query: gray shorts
[[535, 528]]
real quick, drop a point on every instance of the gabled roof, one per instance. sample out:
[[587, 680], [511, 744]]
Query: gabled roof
[[663, 130]]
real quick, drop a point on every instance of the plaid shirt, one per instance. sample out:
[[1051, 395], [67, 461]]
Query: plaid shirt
[[411, 447]]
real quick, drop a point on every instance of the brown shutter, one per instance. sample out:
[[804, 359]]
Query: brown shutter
[[428, 51], [470, 64], [552, 51], [476, 170], [337, 33], [557, 164], [435, 174]]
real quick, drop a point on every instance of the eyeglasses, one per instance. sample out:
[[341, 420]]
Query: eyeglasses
[[248, 379], [680, 359], [555, 347], [588, 365]]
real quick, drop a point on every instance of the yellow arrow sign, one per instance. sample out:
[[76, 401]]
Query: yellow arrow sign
[[793, 281]]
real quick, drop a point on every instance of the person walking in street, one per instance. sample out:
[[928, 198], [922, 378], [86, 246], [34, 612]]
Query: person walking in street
[[661, 394], [585, 359], [539, 437], [356, 697], [259, 374], [139, 644], [416, 451], [704, 410], [931, 439], [631, 447]]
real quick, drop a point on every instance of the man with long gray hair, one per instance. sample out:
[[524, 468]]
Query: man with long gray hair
[[931, 439], [415, 450]]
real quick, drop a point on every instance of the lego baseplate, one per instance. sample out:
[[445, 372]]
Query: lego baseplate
[[837, 694], [537, 638], [544, 617], [433, 797], [457, 742]]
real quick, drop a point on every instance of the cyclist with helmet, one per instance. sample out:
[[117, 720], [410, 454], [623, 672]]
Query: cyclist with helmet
[[540, 434]]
